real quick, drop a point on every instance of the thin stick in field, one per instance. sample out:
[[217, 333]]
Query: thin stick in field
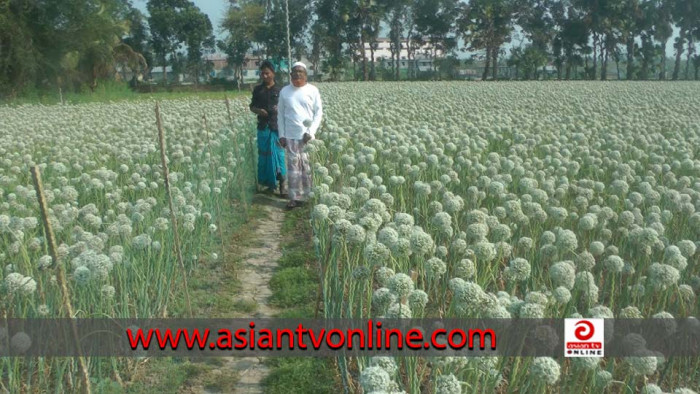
[[60, 274], [173, 219]]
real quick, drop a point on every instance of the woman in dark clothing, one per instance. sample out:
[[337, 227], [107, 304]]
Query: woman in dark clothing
[[271, 162]]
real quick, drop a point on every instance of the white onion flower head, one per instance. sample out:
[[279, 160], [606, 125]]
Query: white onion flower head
[[585, 363], [82, 274], [42, 310], [585, 283], [108, 291], [382, 298], [477, 232], [17, 283], [442, 221], [386, 363], [651, 388], [566, 241], [374, 379], [383, 275], [448, 384], [377, 254], [401, 285], [536, 297], [547, 238], [545, 369], [484, 252], [584, 261], [663, 276], [45, 261], [614, 264], [674, 258], [518, 270], [399, 311], [417, 300], [687, 248], [644, 364], [355, 235], [597, 248], [561, 295], [684, 390], [465, 269], [603, 378], [436, 267]]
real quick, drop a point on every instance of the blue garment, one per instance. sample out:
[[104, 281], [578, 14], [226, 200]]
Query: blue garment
[[270, 158]]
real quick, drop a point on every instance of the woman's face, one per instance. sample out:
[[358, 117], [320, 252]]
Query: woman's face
[[267, 75]]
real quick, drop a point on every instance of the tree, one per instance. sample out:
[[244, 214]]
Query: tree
[[331, 26], [396, 15], [197, 34], [536, 19], [435, 19], [273, 37], [632, 23], [174, 23], [20, 56], [138, 37], [486, 25], [242, 23], [685, 14], [571, 39], [663, 29]]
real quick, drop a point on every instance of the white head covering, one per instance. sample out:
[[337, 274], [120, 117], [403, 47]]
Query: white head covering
[[299, 64]]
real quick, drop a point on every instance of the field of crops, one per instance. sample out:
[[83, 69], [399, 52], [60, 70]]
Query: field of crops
[[511, 200], [431, 200], [104, 185]]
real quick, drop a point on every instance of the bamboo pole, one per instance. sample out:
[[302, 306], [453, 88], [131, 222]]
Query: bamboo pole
[[173, 219], [60, 275]]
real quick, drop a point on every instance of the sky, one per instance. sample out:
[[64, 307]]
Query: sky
[[215, 9]]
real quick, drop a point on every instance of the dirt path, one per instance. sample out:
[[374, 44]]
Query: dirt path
[[254, 274]]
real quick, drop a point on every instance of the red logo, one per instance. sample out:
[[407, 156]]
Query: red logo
[[584, 330], [584, 337]]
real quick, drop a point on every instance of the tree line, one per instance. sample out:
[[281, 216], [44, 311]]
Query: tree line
[[73, 44]]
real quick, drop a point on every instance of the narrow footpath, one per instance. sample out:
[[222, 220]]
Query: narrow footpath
[[259, 261]]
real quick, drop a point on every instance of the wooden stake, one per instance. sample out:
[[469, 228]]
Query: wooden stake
[[60, 274], [173, 219]]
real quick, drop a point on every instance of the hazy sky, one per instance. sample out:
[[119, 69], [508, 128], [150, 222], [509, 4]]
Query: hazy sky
[[216, 8]]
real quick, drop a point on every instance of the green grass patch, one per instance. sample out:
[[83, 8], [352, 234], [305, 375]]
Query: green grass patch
[[167, 375], [292, 286], [296, 257], [300, 375], [112, 91]]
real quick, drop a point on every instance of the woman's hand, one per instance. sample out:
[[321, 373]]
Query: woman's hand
[[283, 142], [306, 138]]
